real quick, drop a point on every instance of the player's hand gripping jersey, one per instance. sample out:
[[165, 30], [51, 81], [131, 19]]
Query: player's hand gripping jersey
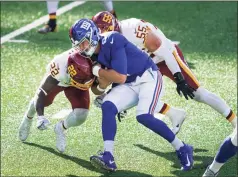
[[62, 71]]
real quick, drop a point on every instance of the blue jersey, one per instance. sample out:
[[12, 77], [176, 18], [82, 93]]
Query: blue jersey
[[119, 54]]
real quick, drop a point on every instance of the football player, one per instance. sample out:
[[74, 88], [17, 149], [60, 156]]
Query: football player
[[68, 72], [52, 6], [167, 56], [139, 84], [227, 150]]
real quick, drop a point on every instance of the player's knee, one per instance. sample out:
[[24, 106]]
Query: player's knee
[[109, 108], [80, 115], [201, 94]]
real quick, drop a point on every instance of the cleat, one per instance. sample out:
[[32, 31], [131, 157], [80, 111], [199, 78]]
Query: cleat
[[185, 155], [60, 137], [209, 172], [24, 128], [177, 120], [47, 29], [104, 160]]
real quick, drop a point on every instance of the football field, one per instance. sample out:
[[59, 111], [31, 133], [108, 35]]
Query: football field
[[207, 32]]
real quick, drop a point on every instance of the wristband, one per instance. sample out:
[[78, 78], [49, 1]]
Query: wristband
[[96, 70], [100, 89]]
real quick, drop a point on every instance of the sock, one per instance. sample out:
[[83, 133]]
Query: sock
[[108, 146], [156, 126], [31, 110], [177, 143], [226, 151], [108, 5], [231, 117], [52, 20], [215, 166], [109, 126], [211, 99], [165, 109]]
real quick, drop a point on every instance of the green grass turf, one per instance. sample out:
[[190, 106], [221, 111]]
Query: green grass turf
[[207, 32]]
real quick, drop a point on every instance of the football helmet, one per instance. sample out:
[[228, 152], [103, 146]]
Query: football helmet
[[105, 21], [84, 36], [80, 71]]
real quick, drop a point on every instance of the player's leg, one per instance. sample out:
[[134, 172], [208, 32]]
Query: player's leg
[[51, 25], [109, 7], [149, 95], [227, 150], [26, 123], [202, 94], [80, 101], [113, 103]]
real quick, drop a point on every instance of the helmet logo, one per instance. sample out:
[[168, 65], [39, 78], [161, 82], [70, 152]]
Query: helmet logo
[[107, 18], [71, 70], [85, 25]]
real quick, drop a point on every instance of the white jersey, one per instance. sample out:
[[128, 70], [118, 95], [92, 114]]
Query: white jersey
[[135, 31], [57, 68]]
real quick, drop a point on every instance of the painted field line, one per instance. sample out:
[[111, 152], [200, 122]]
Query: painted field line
[[39, 21], [18, 41]]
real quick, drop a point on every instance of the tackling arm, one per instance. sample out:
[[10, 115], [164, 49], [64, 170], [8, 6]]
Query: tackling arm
[[44, 89]]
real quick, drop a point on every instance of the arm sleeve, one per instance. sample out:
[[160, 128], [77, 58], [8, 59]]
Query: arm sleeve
[[168, 56]]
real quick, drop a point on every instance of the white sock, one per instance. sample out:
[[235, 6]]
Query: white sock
[[108, 5], [31, 110], [108, 146], [215, 166], [52, 6], [177, 143], [234, 122]]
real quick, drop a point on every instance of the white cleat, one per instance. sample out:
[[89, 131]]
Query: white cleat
[[24, 128], [177, 120], [60, 137], [209, 173]]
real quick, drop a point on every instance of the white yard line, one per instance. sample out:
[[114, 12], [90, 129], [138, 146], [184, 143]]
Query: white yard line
[[18, 41], [39, 21]]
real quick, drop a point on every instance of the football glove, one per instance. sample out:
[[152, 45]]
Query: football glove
[[121, 115], [42, 123], [183, 87]]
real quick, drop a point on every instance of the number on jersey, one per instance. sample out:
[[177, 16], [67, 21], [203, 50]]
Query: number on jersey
[[107, 18], [72, 71], [54, 70]]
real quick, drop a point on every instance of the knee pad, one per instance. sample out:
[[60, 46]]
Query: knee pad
[[201, 94], [109, 107], [80, 115]]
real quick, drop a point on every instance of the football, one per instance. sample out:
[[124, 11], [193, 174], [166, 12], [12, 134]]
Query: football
[[80, 68]]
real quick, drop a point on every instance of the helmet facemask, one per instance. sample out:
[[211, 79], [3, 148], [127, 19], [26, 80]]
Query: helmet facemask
[[87, 45]]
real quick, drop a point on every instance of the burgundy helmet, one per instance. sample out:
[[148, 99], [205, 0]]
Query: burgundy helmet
[[80, 71], [105, 21]]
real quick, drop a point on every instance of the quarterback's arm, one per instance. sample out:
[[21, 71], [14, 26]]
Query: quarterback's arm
[[155, 45], [99, 86], [118, 73], [45, 88]]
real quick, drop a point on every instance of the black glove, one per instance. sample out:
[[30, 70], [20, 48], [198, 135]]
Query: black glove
[[121, 115], [183, 87]]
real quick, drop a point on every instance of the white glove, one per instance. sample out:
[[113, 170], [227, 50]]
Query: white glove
[[99, 100], [42, 123]]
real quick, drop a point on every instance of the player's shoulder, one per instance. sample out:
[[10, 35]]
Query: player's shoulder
[[58, 66], [112, 38]]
